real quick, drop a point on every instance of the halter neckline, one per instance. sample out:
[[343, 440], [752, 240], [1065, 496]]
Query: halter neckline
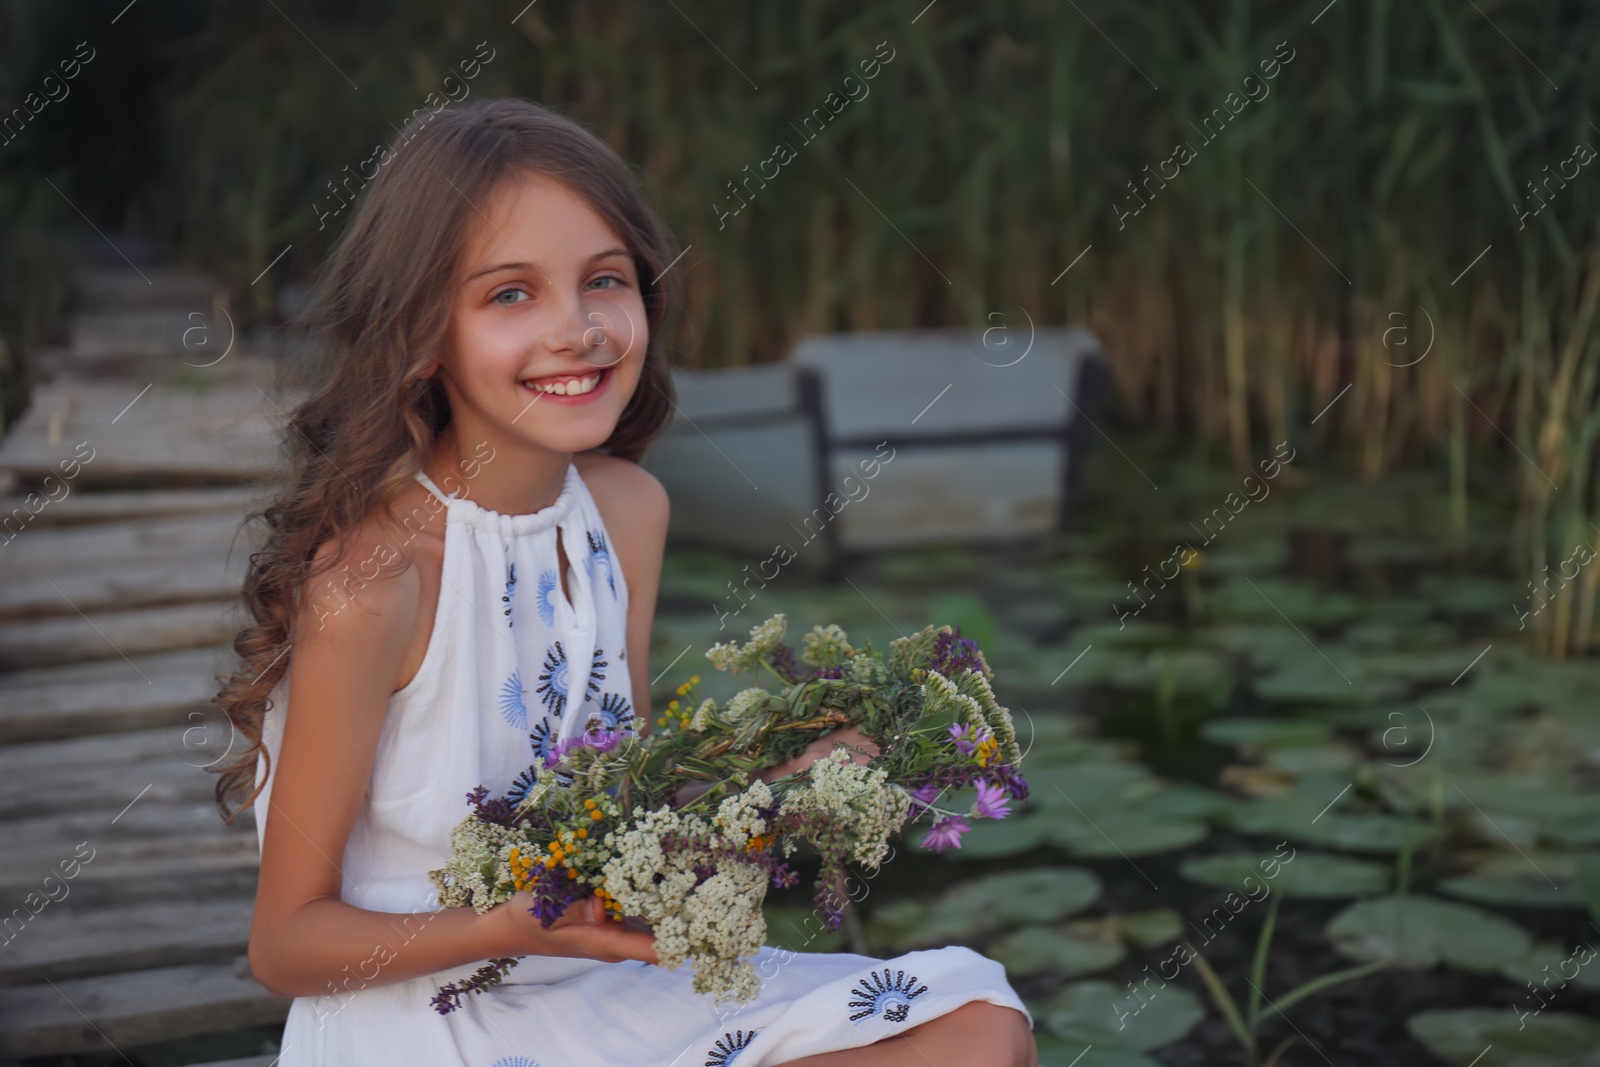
[[476, 514]]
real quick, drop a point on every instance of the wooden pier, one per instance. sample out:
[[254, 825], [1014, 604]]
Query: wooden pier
[[126, 902]]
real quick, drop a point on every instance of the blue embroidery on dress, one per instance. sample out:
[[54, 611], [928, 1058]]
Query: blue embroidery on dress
[[553, 679], [514, 701], [888, 998], [597, 673], [511, 584], [729, 1046], [544, 740], [547, 586], [600, 556], [526, 779], [515, 1061], [613, 710]]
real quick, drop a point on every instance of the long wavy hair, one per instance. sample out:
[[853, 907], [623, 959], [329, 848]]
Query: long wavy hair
[[379, 311]]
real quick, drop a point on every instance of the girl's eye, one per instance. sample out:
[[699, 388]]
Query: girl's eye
[[507, 292], [609, 278]]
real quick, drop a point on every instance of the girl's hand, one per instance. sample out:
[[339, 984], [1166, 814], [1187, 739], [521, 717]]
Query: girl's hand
[[850, 736], [584, 930]]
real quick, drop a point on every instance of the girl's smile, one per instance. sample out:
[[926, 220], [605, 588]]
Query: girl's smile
[[569, 388]]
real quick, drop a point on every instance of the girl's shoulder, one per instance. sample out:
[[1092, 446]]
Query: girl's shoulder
[[369, 585], [627, 496]]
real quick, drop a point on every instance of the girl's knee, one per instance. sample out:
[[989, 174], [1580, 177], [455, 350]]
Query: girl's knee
[[1004, 1032]]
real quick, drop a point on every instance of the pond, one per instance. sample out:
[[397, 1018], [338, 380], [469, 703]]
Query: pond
[[1303, 800]]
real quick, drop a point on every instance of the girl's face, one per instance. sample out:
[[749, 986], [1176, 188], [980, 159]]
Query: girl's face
[[548, 333]]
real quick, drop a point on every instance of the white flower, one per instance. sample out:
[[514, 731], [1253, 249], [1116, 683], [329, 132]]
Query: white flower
[[854, 798], [826, 646], [764, 637]]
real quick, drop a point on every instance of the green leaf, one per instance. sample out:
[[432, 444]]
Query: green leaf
[[1112, 835], [1108, 1016], [1147, 929], [1311, 875], [1549, 961], [1550, 1039], [1317, 985], [1225, 1003], [1420, 931], [1265, 732], [1062, 1052], [1036, 949]]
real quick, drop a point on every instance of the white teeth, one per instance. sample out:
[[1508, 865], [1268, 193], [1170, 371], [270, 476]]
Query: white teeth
[[568, 387]]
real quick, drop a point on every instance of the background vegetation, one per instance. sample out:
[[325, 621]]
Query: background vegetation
[[994, 148]]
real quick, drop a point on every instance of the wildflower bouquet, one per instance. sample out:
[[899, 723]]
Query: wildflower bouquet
[[609, 813]]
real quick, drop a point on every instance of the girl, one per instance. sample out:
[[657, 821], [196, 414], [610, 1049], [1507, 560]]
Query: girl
[[462, 574]]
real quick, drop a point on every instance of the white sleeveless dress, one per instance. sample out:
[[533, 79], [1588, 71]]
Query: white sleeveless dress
[[511, 668]]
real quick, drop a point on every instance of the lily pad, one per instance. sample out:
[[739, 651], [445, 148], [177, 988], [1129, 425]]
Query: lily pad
[[1114, 834], [1272, 600], [1035, 949], [995, 838], [1304, 759], [1313, 680], [1106, 1015], [1538, 880], [1496, 1037], [1147, 929], [1298, 817], [1548, 962], [1034, 894], [1421, 931], [1313, 875], [1265, 732], [1370, 833], [1060, 1052], [1091, 787], [1181, 800]]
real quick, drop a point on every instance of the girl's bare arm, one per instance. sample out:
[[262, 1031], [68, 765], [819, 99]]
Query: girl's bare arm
[[306, 941]]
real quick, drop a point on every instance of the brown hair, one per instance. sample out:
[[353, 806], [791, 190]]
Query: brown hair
[[379, 312]]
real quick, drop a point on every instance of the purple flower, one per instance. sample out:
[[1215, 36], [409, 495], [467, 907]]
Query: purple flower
[[921, 797], [968, 738], [991, 801], [946, 833], [954, 655], [600, 740]]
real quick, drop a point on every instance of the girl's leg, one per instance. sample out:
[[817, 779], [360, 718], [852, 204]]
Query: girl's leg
[[977, 1034]]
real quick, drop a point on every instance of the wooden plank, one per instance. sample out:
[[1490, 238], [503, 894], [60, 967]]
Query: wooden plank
[[144, 819], [134, 1008], [59, 944], [80, 506], [167, 287], [115, 332], [118, 432], [214, 576], [129, 541], [109, 696], [175, 864], [107, 634], [107, 773]]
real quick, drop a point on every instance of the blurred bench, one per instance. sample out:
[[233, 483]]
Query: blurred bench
[[862, 441]]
